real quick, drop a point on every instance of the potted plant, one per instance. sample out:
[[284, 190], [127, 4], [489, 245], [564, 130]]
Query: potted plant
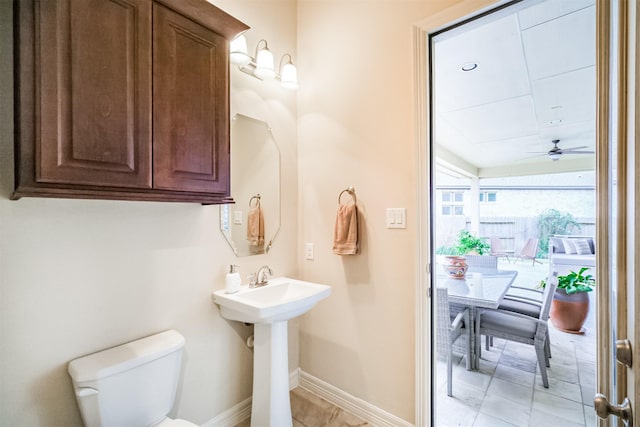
[[469, 244], [455, 263], [570, 304]]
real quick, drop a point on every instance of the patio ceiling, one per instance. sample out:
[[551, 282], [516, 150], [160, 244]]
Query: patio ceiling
[[534, 82]]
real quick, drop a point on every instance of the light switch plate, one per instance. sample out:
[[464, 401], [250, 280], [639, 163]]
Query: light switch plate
[[396, 218], [237, 217]]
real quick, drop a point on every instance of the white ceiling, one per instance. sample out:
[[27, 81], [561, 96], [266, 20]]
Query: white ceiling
[[535, 82]]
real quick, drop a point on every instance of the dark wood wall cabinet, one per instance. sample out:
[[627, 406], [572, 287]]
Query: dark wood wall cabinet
[[123, 100]]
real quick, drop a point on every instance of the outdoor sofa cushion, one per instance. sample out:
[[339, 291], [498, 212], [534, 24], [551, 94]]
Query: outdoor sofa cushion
[[574, 259]]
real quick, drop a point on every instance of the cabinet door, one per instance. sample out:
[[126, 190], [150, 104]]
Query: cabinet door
[[191, 113], [94, 124]]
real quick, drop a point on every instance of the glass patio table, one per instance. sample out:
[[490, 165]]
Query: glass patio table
[[481, 288]]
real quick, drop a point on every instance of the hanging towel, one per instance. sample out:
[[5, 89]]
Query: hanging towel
[[255, 226], [345, 234]]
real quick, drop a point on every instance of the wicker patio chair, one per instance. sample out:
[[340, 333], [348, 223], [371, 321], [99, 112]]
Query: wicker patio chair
[[481, 261], [448, 331], [521, 328], [526, 301]]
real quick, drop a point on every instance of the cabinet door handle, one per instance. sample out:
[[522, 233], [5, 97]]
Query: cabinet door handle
[[604, 409]]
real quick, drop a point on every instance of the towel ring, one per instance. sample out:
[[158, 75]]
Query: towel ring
[[351, 191], [257, 199]]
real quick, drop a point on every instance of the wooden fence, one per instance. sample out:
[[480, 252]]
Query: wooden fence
[[512, 231]]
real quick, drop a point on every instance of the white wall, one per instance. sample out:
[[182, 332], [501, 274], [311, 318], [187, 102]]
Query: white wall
[[357, 128], [77, 276]]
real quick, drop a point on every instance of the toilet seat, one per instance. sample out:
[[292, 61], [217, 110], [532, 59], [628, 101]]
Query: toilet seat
[[168, 422]]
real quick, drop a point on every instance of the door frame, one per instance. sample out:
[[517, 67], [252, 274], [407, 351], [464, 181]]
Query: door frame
[[604, 130], [626, 130], [422, 31]]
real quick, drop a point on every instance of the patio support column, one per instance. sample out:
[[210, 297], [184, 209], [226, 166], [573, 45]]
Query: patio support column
[[474, 206]]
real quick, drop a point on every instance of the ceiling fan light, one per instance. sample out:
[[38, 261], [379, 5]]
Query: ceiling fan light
[[554, 156]]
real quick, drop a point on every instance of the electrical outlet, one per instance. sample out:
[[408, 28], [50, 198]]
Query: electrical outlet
[[308, 251]]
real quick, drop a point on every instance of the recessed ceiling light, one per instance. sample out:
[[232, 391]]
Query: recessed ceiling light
[[469, 66]]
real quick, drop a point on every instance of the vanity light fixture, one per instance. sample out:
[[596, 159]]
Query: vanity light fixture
[[288, 73], [264, 62], [238, 49], [262, 67]]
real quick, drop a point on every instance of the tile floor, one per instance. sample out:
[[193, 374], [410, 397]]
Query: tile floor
[[309, 410], [507, 391]]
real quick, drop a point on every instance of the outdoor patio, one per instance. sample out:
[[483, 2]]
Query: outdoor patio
[[507, 390]]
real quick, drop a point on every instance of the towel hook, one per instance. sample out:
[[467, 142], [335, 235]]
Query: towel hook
[[351, 191], [257, 199]]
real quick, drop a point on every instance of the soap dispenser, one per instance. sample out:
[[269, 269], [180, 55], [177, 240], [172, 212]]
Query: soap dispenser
[[232, 281]]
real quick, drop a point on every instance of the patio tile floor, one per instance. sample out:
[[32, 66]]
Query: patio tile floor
[[507, 390]]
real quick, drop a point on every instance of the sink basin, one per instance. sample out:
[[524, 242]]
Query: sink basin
[[269, 308], [282, 299]]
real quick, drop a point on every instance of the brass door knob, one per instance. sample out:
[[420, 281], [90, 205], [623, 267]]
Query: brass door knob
[[622, 411]]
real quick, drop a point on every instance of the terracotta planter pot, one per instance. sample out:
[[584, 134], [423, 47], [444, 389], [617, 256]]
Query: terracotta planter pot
[[568, 312]]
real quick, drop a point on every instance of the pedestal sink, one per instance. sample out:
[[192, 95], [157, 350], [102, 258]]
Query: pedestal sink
[[270, 307]]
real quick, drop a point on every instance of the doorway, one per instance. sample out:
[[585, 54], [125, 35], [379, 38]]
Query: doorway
[[484, 164]]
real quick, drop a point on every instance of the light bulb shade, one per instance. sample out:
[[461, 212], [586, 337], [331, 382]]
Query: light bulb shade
[[554, 156], [238, 51], [289, 76], [264, 64]]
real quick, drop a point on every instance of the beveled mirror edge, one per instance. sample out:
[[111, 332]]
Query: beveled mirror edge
[[225, 209]]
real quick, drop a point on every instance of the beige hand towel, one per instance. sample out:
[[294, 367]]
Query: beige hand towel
[[255, 226], [345, 234]]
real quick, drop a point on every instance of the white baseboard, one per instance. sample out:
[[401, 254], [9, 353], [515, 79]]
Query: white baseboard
[[232, 416], [372, 414], [294, 379], [242, 410], [298, 378]]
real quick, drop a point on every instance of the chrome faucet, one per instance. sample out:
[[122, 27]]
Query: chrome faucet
[[260, 278]]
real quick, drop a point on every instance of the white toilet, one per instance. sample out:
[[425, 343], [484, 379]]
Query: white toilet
[[131, 385]]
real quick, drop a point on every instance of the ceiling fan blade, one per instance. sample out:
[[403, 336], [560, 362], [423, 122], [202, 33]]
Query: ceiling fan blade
[[577, 152], [533, 157], [564, 150]]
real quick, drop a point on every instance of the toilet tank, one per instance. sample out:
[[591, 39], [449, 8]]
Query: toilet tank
[[133, 384]]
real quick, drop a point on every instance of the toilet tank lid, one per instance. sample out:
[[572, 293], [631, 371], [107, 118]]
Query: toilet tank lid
[[124, 357]]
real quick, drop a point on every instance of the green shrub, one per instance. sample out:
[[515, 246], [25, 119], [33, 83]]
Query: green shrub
[[552, 221]]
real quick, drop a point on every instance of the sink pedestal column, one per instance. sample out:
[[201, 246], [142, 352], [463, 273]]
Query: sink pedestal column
[[270, 403]]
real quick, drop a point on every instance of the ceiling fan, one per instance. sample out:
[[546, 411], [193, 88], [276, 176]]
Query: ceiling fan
[[556, 152]]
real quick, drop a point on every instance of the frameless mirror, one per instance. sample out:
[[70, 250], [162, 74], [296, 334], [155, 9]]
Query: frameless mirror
[[252, 223]]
